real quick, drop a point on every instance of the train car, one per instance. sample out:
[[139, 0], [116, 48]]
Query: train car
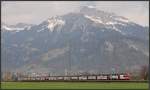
[[82, 77], [102, 77], [52, 78], [74, 77], [66, 78], [37, 78], [124, 77], [113, 77], [60, 78], [91, 77]]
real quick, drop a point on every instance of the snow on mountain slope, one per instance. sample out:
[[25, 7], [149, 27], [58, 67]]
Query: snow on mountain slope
[[16, 28], [108, 24], [122, 20], [11, 29], [94, 19], [91, 7], [53, 22]]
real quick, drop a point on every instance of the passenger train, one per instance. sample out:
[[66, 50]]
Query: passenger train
[[77, 78]]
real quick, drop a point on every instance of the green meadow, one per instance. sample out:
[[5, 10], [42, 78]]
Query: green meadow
[[73, 85]]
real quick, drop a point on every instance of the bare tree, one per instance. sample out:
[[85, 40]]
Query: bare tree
[[144, 72], [7, 76]]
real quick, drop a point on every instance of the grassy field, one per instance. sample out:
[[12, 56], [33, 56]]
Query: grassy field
[[73, 85]]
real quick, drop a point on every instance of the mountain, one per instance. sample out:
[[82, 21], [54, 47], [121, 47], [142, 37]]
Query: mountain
[[90, 40]]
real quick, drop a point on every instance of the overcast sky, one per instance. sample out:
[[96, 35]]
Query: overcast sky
[[34, 12]]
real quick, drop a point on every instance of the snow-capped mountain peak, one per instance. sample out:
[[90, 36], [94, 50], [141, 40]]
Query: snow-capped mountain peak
[[91, 11], [53, 22]]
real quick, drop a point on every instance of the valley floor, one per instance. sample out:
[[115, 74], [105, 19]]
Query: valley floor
[[73, 85]]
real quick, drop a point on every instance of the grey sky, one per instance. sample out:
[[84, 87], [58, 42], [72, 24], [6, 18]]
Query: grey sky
[[35, 12]]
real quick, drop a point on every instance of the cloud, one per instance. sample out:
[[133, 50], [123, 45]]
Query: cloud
[[36, 11]]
